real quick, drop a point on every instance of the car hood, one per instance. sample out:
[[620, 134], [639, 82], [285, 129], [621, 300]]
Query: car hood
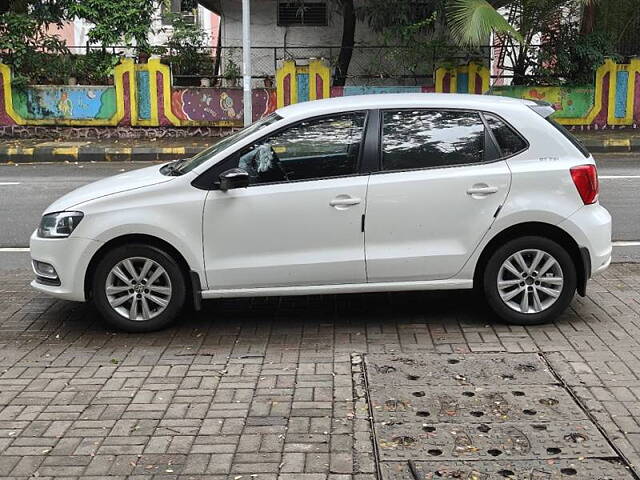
[[123, 182]]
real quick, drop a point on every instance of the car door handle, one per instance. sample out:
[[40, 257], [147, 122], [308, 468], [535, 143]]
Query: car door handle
[[482, 190], [344, 201]]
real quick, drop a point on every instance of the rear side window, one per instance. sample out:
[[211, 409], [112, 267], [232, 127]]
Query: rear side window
[[508, 140], [569, 136], [431, 138]]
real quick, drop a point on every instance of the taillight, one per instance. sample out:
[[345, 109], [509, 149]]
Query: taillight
[[585, 178]]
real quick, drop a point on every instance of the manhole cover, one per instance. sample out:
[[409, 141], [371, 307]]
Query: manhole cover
[[481, 416], [457, 404], [475, 369], [589, 469], [507, 441]]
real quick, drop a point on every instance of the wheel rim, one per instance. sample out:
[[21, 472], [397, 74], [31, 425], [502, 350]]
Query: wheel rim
[[138, 288], [530, 281]]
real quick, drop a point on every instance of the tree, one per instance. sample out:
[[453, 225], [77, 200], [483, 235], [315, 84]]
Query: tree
[[117, 21], [473, 21]]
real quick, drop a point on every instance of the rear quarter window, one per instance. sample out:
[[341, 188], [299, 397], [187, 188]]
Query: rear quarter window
[[509, 141]]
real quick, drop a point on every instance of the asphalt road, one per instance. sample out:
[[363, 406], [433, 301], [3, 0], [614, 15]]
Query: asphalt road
[[27, 189]]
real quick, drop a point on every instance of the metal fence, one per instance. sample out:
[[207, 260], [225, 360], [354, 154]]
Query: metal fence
[[370, 65]]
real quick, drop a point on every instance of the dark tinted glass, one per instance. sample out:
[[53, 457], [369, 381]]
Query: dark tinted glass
[[431, 138], [509, 141], [320, 148]]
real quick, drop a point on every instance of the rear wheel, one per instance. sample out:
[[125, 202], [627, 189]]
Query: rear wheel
[[138, 288], [529, 280]]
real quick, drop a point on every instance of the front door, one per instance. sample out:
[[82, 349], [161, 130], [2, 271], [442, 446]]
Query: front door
[[299, 221], [435, 197]]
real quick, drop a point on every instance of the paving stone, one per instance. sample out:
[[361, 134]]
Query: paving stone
[[265, 386]]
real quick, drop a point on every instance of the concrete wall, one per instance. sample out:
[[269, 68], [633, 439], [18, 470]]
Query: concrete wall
[[266, 33], [142, 95]]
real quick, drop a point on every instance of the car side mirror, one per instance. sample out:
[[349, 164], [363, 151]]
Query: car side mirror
[[234, 178]]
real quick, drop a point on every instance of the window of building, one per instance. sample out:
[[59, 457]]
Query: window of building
[[302, 13], [431, 138]]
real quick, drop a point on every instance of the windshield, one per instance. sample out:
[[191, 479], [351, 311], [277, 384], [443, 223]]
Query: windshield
[[206, 154]]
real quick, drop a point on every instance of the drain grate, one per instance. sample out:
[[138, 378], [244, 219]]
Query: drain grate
[[481, 416], [455, 404], [482, 441], [590, 469], [439, 370]]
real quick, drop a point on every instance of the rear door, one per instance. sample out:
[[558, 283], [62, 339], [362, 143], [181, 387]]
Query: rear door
[[437, 193]]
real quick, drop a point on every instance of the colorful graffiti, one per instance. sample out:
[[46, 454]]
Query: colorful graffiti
[[215, 105], [143, 95], [471, 78], [53, 102], [573, 102], [301, 83]]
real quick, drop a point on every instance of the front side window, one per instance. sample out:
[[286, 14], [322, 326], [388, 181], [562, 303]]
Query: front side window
[[431, 138], [317, 148], [187, 165], [508, 140]]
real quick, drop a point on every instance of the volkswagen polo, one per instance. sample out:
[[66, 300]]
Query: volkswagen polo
[[356, 194]]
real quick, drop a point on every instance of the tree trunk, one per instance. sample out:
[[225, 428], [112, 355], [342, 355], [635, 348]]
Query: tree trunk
[[348, 40], [588, 18]]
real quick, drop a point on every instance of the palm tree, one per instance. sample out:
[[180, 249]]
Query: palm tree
[[472, 22]]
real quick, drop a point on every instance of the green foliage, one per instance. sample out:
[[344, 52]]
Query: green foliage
[[571, 58], [188, 53], [472, 21], [22, 43], [116, 21], [94, 68]]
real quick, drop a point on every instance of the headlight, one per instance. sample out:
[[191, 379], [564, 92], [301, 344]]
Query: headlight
[[59, 225]]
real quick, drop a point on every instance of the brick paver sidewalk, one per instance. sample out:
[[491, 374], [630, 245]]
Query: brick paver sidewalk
[[264, 388]]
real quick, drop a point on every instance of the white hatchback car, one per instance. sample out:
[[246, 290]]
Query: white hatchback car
[[355, 194]]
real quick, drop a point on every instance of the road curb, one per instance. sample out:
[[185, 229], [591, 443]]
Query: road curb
[[91, 153], [612, 145]]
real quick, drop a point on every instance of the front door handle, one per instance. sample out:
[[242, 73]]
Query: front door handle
[[482, 189], [344, 201]]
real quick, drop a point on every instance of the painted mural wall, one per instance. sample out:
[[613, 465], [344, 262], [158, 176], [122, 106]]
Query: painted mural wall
[[53, 102], [569, 102], [143, 95], [213, 105]]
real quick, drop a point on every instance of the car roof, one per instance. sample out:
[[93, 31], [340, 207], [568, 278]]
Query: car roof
[[400, 100]]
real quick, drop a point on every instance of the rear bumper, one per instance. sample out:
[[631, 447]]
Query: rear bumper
[[70, 257], [591, 228]]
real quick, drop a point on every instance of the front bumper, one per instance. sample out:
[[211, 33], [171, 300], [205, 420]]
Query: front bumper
[[590, 226], [70, 257]]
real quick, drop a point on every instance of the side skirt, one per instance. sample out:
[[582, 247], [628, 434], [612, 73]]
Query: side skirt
[[345, 288]]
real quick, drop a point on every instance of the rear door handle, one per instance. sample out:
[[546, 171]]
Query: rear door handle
[[482, 190], [344, 201]]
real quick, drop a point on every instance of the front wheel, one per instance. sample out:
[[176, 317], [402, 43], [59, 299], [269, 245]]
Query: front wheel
[[529, 280], [138, 288]]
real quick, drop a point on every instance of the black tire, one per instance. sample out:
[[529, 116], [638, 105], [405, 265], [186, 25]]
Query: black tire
[[501, 254], [177, 284]]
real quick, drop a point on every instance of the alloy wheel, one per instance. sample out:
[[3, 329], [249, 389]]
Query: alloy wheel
[[530, 281], [138, 288]]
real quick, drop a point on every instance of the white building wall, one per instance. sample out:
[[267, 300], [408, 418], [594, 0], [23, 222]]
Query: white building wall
[[265, 32]]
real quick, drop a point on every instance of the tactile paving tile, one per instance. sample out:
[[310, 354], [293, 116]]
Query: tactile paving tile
[[460, 404], [588, 469], [499, 441], [439, 370]]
